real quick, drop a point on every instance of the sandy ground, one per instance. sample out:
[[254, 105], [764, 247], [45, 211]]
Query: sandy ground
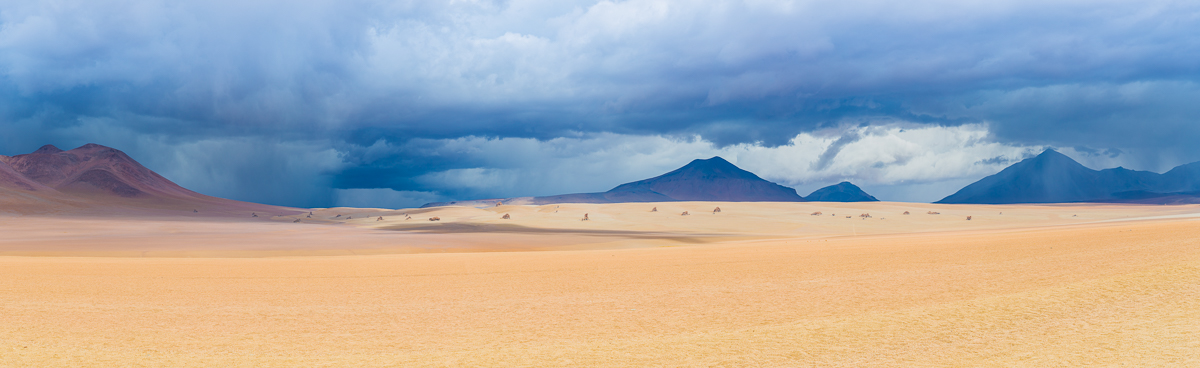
[[764, 284]]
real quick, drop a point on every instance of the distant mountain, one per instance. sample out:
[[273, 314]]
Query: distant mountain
[[1052, 177], [95, 170], [95, 176], [713, 179], [840, 192], [1182, 178]]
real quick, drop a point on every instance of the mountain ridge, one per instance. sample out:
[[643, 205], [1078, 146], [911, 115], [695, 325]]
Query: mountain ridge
[[1052, 177], [713, 179]]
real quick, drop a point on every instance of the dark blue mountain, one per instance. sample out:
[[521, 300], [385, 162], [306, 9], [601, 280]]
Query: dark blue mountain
[[714, 180], [1052, 177], [840, 192], [1183, 178]]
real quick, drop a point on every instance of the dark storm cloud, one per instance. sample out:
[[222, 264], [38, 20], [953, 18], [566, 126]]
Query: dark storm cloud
[[373, 91], [830, 153]]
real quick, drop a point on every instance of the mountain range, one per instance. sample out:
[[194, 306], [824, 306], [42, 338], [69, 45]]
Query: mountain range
[[713, 179], [1052, 177], [94, 176]]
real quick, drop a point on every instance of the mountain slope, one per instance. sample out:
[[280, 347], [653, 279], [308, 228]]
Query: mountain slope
[[96, 170], [840, 192], [1182, 178], [95, 176], [1052, 177], [12, 180], [21, 195]]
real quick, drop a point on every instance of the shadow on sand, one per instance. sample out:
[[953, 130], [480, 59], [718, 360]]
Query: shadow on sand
[[453, 228]]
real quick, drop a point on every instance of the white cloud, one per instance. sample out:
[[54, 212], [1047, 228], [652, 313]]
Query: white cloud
[[890, 154], [887, 154], [894, 160]]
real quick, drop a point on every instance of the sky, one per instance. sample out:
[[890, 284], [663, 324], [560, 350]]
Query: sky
[[397, 103]]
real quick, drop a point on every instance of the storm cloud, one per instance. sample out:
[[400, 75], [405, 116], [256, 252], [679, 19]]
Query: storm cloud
[[341, 101]]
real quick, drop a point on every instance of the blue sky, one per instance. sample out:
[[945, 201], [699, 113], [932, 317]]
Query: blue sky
[[395, 103]]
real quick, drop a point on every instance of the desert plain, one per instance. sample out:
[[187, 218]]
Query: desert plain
[[755, 285]]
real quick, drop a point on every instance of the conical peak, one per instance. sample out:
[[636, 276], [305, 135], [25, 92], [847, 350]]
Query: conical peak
[[1049, 159], [100, 151], [91, 146], [711, 168], [841, 192], [715, 161], [48, 149], [843, 185], [1050, 153], [712, 179]]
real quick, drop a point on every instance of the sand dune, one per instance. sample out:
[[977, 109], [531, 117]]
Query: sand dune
[[758, 284]]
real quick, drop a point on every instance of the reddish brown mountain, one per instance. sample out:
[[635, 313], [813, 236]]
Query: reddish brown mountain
[[12, 180], [95, 170], [21, 195], [95, 176]]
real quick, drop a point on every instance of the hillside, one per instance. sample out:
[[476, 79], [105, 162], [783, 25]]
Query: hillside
[[98, 178], [1052, 177]]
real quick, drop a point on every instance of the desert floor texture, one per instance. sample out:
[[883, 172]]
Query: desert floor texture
[[757, 284]]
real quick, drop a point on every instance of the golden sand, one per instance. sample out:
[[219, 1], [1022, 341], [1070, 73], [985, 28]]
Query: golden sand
[[755, 285]]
